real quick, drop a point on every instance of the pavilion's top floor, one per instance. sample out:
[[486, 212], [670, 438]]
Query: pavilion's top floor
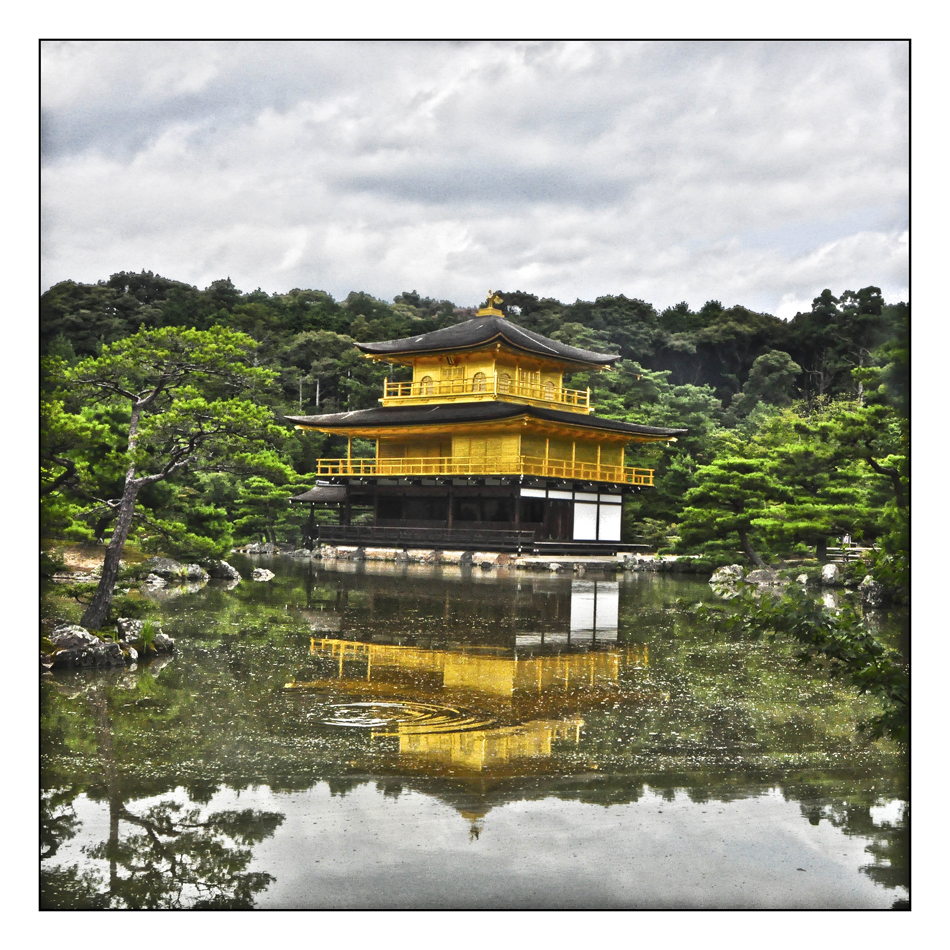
[[486, 359]]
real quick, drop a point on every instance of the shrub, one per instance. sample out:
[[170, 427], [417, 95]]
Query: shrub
[[149, 632]]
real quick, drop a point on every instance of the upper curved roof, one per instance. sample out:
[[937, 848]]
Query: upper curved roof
[[481, 331]]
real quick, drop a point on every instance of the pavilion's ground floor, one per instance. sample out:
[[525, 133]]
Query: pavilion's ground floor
[[470, 513]]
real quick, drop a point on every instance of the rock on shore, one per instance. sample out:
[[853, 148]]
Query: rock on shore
[[75, 647]]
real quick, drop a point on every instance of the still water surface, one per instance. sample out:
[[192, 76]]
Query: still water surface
[[389, 736]]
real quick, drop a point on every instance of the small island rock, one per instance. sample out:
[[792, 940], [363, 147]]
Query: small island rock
[[221, 570]]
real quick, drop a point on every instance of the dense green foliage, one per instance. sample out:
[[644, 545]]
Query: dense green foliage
[[181, 400], [798, 430]]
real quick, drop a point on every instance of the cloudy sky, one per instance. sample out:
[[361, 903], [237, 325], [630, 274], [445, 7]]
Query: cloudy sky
[[752, 173]]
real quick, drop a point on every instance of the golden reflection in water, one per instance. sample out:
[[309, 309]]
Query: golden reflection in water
[[498, 675], [485, 748]]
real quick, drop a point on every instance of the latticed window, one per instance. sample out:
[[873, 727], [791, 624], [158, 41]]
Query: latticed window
[[479, 383], [452, 381], [504, 382], [549, 390], [529, 379], [425, 386]]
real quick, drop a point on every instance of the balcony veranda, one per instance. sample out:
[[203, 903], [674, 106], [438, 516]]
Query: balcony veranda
[[484, 386], [486, 465]]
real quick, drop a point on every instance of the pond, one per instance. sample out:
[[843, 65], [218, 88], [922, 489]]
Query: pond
[[374, 735]]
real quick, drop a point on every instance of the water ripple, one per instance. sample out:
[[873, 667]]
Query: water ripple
[[400, 718]]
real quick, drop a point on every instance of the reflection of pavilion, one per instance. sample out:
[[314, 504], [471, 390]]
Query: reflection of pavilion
[[503, 671], [488, 672], [479, 749], [546, 685], [428, 608]]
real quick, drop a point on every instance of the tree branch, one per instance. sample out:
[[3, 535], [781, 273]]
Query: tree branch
[[892, 473], [70, 471]]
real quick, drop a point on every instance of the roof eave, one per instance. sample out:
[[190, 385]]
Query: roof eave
[[602, 361]]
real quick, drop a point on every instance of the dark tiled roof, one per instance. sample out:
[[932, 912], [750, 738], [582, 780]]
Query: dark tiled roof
[[458, 412], [322, 493], [484, 330]]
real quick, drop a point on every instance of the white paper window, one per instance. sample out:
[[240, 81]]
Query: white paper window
[[585, 522], [610, 522]]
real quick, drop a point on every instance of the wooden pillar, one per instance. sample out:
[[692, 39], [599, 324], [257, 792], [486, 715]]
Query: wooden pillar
[[349, 458], [310, 528], [448, 520], [375, 504]]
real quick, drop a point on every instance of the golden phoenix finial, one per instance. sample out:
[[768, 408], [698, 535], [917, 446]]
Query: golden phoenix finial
[[489, 308]]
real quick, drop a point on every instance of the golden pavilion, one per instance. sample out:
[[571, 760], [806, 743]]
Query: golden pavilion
[[484, 448]]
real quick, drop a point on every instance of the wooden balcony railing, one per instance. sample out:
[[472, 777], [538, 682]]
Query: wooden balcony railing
[[485, 465], [483, 385]]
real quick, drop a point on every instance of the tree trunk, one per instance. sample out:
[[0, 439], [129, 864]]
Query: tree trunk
[[821, 550], [96, 612], [101, 525], [749, 552]]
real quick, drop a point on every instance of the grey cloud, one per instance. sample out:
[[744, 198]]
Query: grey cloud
[[497, 185], [660, 170]]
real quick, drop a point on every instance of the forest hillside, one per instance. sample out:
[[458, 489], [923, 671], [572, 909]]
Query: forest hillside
[[798, 430]]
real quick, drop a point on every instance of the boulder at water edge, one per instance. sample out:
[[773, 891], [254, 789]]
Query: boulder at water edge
[[74, 647], [872, 593], [830, 575], [725, 581], [221, 570], [130, 631], [164, 567], [762, 578]]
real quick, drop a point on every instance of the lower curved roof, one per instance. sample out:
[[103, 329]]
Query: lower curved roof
[[444, 414]]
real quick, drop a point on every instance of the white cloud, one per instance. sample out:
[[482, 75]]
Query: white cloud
[[755, 173]]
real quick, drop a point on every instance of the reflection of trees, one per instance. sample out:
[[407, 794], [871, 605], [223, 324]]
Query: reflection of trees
[[888, 841], [69, 888], [58, 822], [176, 856], [180, 858]]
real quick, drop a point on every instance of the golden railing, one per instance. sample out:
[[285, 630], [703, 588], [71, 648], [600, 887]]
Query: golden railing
[[487, 465], [487, 386]]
